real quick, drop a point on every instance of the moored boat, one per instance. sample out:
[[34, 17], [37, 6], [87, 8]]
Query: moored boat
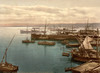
[[28, 41], [46, 43], [85, 52], [65, 54], [73, 45], [5, 66]]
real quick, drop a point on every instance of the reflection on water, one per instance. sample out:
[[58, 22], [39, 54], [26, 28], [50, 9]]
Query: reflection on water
[[7, 72], [33, 58]]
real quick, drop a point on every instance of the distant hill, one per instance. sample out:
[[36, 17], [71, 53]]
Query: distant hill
[[95, 25]]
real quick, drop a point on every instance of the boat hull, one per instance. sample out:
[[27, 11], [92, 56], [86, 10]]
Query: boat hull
[[65, 54], [8, 68], [46, 43], [25, 41], [83, 58]]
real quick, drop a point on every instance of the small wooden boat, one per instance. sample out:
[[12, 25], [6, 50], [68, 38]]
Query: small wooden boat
[[73, 45], [77, 45], [6, 67], [65, 54], [94, 44], [46, 43], [27, 41]]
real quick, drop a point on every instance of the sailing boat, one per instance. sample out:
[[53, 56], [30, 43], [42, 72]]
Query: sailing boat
[[88, 31], [85, 52], [27, 40], [25, 31], [5, 66], [44, 37]]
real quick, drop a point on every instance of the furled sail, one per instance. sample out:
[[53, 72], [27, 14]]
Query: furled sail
[[86, 43]]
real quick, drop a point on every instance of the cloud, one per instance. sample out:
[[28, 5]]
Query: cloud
[[38, 14]]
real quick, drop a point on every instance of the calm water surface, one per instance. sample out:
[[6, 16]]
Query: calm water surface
[[33, 57]]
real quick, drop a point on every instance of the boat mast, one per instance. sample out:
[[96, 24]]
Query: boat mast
[[27, 33], [87, 27], [72, 29], [5, 54], [97, 44], [45, 27]]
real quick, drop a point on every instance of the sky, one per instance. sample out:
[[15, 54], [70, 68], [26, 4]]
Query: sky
[[23, 12]]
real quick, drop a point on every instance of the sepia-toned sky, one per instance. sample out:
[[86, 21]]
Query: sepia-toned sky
[[13, 12]]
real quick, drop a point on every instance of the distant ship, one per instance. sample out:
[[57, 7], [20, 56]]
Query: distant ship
[[88, 31], [32, 31], [5, 66], [25, 31]]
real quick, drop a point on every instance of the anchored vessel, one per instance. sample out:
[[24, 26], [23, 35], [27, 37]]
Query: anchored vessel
[[77, 44], [72, 45], [28, 41], [61, 34], [65, 54], [85, 52], [25, 31], [5, 66], [46, 43]]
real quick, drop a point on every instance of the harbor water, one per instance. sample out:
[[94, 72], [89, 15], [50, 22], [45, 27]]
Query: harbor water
[[33, 58]]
